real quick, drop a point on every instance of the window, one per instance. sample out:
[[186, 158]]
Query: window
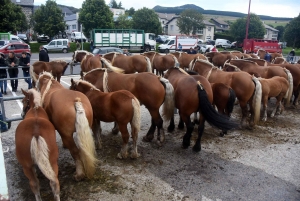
[[74, 26], [200, 31], [151, 37], [163, 22], [20, 47], [59, 42], [52, 43], [208, 28], [172, 42], [18, 1], [171, 28], [65, 43]]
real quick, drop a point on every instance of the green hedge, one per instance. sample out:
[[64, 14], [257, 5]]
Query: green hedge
[[35, 47]]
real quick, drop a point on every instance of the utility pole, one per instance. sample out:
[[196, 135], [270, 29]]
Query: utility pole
[[248, 19]]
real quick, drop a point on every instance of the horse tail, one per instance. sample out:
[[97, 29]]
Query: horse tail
[[136, 119], [231, 101], [169, 104], [210, 114], [191, 64], [289, 93], [32, 74], [111, 67], [84, 140], [40, 155], [256, 101], [149, 67]]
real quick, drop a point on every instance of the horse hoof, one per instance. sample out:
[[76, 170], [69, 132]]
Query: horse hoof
[[171, 128], [222, 134], [159, 143], [264, 119], [78, 177], [146, 139], [115, 131], [272, 115], [196, 148], [134, 155], [98, 146], [185, 145], [196, 122], [121, 156], [180, 126]]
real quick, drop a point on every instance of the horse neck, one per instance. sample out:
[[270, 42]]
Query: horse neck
[[202, 69], [36, 113]]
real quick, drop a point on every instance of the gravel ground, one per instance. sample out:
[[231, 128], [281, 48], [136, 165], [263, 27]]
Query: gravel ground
[[259, 164]]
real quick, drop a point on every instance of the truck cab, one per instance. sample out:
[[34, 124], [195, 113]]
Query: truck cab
[[150, 42]]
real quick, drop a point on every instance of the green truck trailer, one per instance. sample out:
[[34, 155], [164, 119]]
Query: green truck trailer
[[4, 36]]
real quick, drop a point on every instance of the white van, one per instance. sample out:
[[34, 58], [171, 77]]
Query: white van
[[78, 36], [223, 43], [171, 44]]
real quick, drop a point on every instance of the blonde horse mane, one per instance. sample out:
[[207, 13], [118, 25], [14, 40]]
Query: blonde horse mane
[[36, 97], [235, 67], [59, 61], [86, 83], [205, 61], [111, 67]]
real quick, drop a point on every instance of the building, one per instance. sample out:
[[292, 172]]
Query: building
[[204, 34], [116, 12], [72, 23], [271, 33], [220, 25], [164, 18], [27, 7]]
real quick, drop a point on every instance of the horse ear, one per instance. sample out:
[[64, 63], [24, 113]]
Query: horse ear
[[23, 91], [72, 81]]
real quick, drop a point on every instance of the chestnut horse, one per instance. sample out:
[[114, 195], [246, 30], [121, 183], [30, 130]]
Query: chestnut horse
[[36, 144], [197, 98], [77, 56], [261, 54], [150, 90], [70, 111], [274, 87], [185, 60], [57, 68], [130, 64], [263, 71], [260, 62], [89, 62], [160, 62], [246, 88], [119, 106], [219, 58]]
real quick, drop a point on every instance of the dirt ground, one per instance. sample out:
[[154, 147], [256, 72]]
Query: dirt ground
[[259, 164]]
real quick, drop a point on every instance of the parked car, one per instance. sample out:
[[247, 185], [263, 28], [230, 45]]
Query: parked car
[[223, 43], [58, 45], [17, 48], [204, 48], [78, 36], [23, 37], [104, 50], [43, 38]]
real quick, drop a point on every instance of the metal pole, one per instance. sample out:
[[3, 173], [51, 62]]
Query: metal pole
[[248, 19], [81, 37]]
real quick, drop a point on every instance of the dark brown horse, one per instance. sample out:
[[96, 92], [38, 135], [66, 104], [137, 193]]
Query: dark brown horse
[[70, 111], [198, 98], [89, 62], [160, 62], [185, 60], [246, 88], [150, 90], [57, 68], [130, 64], [36, 144], [77, 57], [119, 106]]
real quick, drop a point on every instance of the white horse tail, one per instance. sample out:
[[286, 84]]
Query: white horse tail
[[33, 74], [111, 67], [289, 93], [149, 67], [169, 103], [40, 156], [105, 81], [136, 119], [256, 100], [84, 140], [191, 65]]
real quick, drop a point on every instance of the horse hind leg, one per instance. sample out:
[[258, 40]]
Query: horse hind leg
[[55, 189], [125, 137], [189, 129], [30, 173], [116, 129], [96, 127], [134, 135], [197, 146], [196, 120]]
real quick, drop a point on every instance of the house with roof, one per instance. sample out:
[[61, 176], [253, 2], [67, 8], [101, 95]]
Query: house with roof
[[72, 23], [220, 25], [204, 34], [271, 33], [117, 12], [27, 7], [164, 18]]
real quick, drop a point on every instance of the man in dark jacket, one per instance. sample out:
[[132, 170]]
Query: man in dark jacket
[[292, 55], [267, 57], [3, 74], [25, 62], [43, 55], [13, 71]]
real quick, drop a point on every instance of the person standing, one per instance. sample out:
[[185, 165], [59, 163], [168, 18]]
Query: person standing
[[78, 46], [267, 57], [292, 55], [92, 45], [3, 74], [25, 62], [214, 49], [43, 55], [13, 71], [179, 47]]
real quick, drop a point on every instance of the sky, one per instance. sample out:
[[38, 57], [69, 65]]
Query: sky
[[274, 8]]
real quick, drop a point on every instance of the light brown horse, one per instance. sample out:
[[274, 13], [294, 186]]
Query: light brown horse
[[279, 60], [77, 57], [71, 111], [274, 87], [185, 60], [260, 62], [89, 62], [119, 106], [246, 88], [263, 71], [57, 68], [192, 96], [36, 144], [160, 62], [150, 90], [130, 64], [219, 58], [238, 54]]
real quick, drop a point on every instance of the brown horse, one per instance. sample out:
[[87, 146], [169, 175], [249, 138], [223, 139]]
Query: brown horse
[[274, 87], [70, 111], [89, 62], [160, 62], [219, 58], [77, 56], [238, 54], [197, 98], [260, 62], [130, 64], [253, 56], [185, 60], [263, 71], [36, 144], [150, 90], [246, 88], [57, 68], [279, 60], [120, 106]]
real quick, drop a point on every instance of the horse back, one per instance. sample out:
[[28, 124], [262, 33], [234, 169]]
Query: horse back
[[40, 66]]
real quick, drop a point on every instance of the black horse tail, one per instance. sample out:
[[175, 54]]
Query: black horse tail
[[210, 114], [231, 101]]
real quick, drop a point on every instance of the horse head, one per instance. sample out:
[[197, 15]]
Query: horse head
[[32, 99]]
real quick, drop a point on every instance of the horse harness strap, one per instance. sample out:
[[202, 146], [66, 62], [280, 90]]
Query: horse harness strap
[[209, 73], [112, 61], [153, 58]]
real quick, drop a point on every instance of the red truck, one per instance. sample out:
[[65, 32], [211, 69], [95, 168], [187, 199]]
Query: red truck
[[253, 45]]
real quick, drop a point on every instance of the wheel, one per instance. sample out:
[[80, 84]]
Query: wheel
[[147, 49], [64, 50], [166, 51]]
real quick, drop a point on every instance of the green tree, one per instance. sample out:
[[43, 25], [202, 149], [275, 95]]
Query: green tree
[[280, 33], [190, 20], [95, 14], [130, 12], [123, 22], [256, 28], [120, 5], [147, 20], [292, 32], [48, 19], [12, 17], [113, 4]]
